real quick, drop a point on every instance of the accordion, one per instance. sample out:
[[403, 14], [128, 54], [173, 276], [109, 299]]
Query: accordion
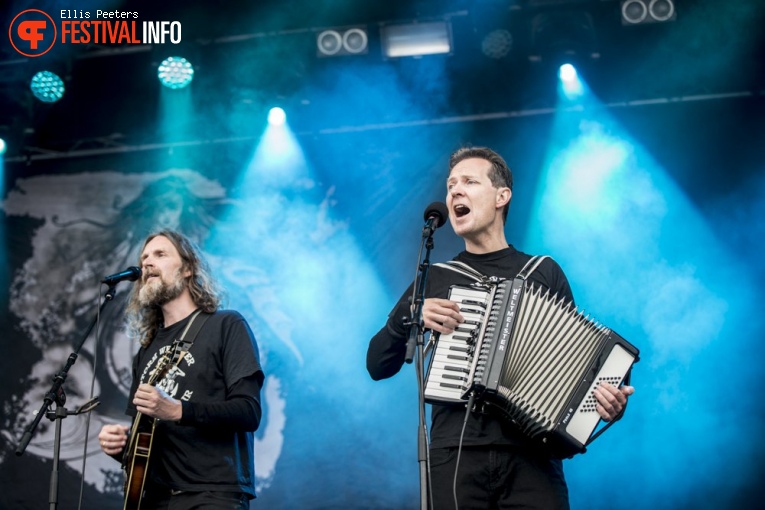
[[533, 357]]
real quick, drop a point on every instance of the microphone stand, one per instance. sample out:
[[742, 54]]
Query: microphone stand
[[416, 345], [57, 395]]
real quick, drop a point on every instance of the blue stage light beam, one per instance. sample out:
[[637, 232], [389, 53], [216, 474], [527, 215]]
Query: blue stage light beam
[[278, 157], [277, 116], [5, 272], [3, 149], [290, 256], [177, 123], [571, 86], [643, 261]]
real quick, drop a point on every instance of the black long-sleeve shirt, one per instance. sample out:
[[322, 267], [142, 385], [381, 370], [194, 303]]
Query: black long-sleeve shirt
[[387, 349]]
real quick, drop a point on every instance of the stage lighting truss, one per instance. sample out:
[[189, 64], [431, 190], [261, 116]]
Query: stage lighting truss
[[47, 86], [638, 12], [175, 72], [558, 37], [335, 42]]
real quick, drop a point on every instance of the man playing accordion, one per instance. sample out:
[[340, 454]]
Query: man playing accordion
[[499, 467]]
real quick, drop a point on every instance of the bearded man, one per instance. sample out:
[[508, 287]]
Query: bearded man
[[196, 387]]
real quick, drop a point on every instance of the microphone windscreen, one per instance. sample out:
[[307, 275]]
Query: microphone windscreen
[[438, 211]]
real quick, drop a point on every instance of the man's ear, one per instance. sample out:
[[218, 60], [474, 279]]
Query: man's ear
[[503, 197]]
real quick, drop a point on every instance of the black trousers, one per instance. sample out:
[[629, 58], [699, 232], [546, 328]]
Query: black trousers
[[497, 477], [168, 500]]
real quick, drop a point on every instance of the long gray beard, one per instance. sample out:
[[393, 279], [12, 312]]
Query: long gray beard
[[158, 295]]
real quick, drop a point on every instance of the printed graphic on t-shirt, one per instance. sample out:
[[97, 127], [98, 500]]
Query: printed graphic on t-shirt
[[171, 383]]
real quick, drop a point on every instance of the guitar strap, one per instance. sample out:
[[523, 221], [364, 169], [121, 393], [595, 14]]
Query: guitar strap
[[140, 444], [191, 329]]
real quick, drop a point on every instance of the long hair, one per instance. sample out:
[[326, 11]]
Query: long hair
[[500, 174], [143, 322]]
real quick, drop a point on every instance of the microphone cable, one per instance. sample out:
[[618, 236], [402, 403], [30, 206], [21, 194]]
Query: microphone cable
[[471, 400], [92, 398]]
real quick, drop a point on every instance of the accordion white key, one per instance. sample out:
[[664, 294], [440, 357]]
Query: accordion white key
[[531, 356]]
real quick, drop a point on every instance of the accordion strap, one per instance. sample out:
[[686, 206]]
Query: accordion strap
[[466, 270], [531, 266], [463, 269]]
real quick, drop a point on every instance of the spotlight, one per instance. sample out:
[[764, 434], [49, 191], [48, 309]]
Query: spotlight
[[46, 86], [497, 44], [346, 41], [637, 12], [355, 41], [567, 73], [329, 42], [416, 39], [276, 116], [3, 146], [570, 84], [661, 10], [175, 72]]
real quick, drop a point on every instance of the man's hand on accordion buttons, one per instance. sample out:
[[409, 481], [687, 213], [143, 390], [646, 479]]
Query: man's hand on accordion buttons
[[441, 315], [612, 400]]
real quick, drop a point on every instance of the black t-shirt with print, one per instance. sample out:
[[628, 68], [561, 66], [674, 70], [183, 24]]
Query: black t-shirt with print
[[218, 383]]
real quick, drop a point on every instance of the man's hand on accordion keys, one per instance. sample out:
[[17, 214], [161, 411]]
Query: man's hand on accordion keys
[[612, 400], [441, 315]]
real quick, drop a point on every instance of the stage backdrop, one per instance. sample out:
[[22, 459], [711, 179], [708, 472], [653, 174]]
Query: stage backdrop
[[315, 243]]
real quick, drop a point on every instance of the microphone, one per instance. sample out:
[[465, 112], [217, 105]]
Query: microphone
[[130, 274], [435, 216]]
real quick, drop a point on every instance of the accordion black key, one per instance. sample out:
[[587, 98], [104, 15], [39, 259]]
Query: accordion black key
[[531, 356]]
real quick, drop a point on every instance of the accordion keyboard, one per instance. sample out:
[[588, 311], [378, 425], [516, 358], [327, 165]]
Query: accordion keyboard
[[452, 360]]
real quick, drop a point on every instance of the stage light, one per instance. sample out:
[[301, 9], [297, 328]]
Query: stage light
[[355, 41], [416, 39], [497, 44], [567, 73], [46, 86], [570, 85], [345, 41], [329, 42], [277, 116], [638, 12], [3, 146], [661, 10], [175, 72]]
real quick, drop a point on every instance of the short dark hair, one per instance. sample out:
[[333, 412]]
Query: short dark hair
[[500, 174]]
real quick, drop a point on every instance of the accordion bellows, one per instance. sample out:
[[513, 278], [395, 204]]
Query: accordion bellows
[[531, 356]]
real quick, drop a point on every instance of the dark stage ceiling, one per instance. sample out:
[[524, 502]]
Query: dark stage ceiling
[[251, 55]]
